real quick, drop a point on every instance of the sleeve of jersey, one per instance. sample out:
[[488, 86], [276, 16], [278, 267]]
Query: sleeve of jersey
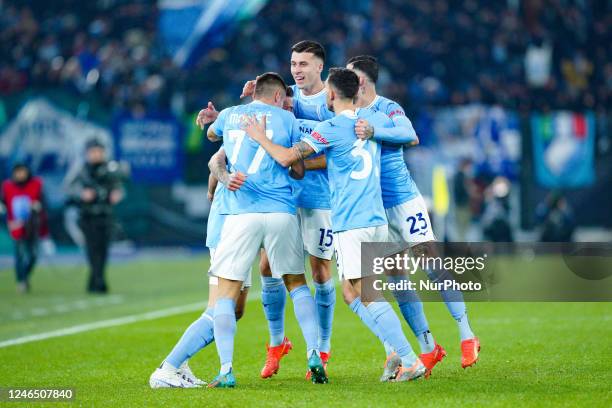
[[397, 130], [303, 110], [296, 133], [219, 123], [316, 140]]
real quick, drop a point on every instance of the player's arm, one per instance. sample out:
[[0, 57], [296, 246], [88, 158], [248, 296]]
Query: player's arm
[[285, 156], [316, 163], [212, 186], [297, 170], [212, 136], [218, 168], [312, 112], [399, 131], [215, 130]]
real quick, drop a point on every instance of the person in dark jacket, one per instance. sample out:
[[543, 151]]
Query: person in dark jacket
[[96, 189], [22, 195]]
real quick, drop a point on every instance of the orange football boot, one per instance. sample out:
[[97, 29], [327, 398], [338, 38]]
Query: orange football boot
[[469, 352], [274, 356], [432, 358]]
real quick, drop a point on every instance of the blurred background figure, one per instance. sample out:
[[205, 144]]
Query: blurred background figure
[[556, 219], [496, 218], [463, 188], [22, 195], [97, 188]]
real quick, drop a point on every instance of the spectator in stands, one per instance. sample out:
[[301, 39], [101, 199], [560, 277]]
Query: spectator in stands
[[523, 55], [556, 219], [22, 196]]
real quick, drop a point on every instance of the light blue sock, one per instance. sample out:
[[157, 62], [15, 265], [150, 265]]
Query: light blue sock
[[412, 309], [225, 330], [454, 303], [465, 331], [273, 298], [325, 298], [360, 310], [306, 315], [197, 336], [387, 320]]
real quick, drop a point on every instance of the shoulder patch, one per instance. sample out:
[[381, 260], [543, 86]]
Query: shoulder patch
[[397, 112], [317, 136]]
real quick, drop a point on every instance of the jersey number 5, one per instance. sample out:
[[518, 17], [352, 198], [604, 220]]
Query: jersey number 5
[[360, 149]]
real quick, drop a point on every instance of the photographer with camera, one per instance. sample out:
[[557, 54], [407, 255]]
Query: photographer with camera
[[96, 189], [22, 196]]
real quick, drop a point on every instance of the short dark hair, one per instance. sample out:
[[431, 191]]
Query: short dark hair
[[268, 82], [310, 46], [345, 81], [289, 92], [366, 64], [20, 165], [94, 143]]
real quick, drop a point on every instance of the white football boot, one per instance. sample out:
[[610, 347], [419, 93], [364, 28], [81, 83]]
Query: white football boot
[[168, 377]]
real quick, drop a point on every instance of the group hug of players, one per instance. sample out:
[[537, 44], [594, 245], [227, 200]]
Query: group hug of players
[[316, 167]]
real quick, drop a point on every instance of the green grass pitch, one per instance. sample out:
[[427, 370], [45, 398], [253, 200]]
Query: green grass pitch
[[533, 354]]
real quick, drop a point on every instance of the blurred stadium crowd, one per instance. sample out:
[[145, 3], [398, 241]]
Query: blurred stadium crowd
[[524, 55]]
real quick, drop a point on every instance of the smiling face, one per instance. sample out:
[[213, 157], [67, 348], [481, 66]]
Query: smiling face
[[306, 69]]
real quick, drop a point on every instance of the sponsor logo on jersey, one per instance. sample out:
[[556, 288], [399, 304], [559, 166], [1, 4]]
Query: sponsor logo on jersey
[[397, 112], [317, 136]]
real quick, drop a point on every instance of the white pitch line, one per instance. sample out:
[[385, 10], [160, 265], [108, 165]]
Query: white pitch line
[[102, 324]]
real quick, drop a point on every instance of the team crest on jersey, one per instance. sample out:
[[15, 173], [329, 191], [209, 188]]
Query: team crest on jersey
[[317, 136]]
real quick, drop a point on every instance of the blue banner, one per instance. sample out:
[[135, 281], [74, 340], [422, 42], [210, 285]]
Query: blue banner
[[564, 149], [190, 28], [152, 145]]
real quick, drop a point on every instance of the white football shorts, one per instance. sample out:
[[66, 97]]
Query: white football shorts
[[244, 234], [347, 246], [409, 222], [316, 232]]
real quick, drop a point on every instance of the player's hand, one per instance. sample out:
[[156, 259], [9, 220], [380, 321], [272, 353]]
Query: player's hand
[[235, 181], [364, 130], [207, 115], [255, 129], [210, 195], [248, 89], [88, 194]]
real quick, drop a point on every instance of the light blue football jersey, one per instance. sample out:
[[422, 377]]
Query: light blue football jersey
[[268, 187], [353, 167], [313, 189], [214, 225], [311, 107], [396, 182]]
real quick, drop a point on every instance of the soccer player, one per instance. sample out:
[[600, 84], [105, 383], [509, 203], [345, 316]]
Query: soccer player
[[261, 212], [408, 218], [357, 209], [314, 215], [174, 372]]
